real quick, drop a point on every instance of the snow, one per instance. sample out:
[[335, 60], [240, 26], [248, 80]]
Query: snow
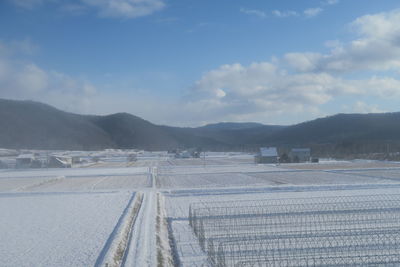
[[72, 217], [178, 202], [255, 176], [142, 249], [72, 172], [96, 183], [384, 174], [64, 217], [57, 229], [13, 184]]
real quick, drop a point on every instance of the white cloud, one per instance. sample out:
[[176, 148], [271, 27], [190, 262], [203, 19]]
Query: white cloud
[[303, 62], [312, 12], [284, 13], [382, 87], [260, 87], [298, 84], [362, 107], [253, 12], [377, 48], [21, 79], [312, 79], [382, 25], [261, 91], [105, 8], [125, 8], [266, 90], [17, 48], [74, 9], [309, 12], [31, 79], [28, 4], [331, 2]]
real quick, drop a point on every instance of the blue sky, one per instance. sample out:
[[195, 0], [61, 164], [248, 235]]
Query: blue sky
[[192, 62]]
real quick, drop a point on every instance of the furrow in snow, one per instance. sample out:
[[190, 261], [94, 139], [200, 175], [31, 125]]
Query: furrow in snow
[[114, 251]]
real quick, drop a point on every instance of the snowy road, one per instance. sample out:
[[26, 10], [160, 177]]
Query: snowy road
[[142, 248]]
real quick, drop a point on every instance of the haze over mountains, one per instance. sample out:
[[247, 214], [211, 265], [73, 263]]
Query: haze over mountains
[[33, 125]]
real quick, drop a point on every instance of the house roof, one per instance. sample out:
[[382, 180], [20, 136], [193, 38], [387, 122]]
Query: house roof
[[26, 156], [268, 152], [61, 157]]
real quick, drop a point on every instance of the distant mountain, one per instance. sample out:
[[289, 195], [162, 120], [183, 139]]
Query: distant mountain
[[237, 135], [340, 128], [232, 125], [128, 131], [28, 124]]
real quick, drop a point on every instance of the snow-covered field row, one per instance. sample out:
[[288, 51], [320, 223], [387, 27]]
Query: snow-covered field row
[[13, 184], [64, 229], [209, 161], [387, 174], [227, 168], [65, 217], [71, 172], [75, 184], [341, 165], [265, 178]]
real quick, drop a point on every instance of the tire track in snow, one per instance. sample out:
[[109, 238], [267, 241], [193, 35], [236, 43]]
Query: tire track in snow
[[114, 248]]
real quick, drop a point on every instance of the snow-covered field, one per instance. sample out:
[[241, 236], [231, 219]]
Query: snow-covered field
[[63, 217], [79, 216], [250, 183], [47, 229]]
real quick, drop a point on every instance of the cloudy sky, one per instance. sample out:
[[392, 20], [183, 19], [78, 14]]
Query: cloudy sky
[[191, 62]]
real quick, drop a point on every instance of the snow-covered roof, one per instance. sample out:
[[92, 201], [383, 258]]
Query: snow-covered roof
[[268, 152], [63, 162], [62, 156], [26, 156]]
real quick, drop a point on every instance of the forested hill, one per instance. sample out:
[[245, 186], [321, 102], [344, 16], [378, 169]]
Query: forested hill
[[28, 124]]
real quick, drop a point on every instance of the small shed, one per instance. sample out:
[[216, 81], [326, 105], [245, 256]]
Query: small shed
[[300, 154], [267, 155], [131, 157], [24, 161], [56, 161], [3, 165]]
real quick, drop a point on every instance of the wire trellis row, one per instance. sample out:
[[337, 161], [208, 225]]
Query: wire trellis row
[[331, 231]]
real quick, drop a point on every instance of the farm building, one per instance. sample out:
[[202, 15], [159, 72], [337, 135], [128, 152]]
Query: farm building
[[27, 161], [76, 159], [185, 154], [267, 155], [56, 161], [300, 154], [3, 165], [131, 157]]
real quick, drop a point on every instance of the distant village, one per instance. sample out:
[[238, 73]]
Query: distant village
[[294, 155], [59, 159], [67, 159]]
